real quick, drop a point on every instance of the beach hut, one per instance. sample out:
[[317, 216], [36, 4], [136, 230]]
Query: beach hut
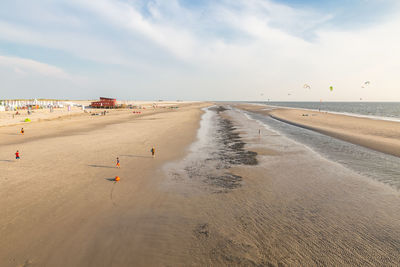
[[104, 103]]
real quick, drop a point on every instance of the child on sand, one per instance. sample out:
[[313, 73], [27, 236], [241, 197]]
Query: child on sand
[[17, 155], [22, 131], [118, 166], [153, 151]]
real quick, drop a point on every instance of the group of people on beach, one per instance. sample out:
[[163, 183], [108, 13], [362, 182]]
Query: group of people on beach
[[118, 165], [17, 156], [153, 154]]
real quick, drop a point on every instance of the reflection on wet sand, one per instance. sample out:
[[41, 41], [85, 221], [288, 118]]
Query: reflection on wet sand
[[293, 208]]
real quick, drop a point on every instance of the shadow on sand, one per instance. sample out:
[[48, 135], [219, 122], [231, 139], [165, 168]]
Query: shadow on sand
[[6, 160], [110, 179], [101, 166]]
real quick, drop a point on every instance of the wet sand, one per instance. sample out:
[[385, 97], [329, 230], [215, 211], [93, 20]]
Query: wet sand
[[380, 135], [294, 208], [230, 198]]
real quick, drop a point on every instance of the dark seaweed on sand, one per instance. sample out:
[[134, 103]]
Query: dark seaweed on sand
[[229, 151], [233, 151], [218, 109]]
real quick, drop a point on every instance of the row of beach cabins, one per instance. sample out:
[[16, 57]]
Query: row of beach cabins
[[103, 103], [15, 105]]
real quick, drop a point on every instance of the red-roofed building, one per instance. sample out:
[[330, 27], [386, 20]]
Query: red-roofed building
[[104, 103]]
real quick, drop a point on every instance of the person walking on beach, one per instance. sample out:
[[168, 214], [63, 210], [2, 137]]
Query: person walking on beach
[[17, 155], [118, 165], [22, 131], [153, 152]]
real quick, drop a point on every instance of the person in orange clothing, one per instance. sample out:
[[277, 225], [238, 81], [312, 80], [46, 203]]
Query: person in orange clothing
[[118, 165], [22, 131]]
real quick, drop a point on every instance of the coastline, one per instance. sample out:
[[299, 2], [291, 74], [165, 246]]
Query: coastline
[[235, 197], [379, 135], [351, 114], [293, 208]]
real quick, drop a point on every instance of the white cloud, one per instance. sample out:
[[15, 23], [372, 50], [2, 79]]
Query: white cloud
[[23, 66], [76, 43], [27, 78], [224, 50], [178, 41]]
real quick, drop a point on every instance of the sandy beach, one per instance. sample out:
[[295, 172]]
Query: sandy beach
[[217, 194], [43, 114], [59, 206]]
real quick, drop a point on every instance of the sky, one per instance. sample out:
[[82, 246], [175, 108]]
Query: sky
[[240, 50]]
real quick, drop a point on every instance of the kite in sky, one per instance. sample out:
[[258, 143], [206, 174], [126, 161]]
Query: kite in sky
[[365, 84]]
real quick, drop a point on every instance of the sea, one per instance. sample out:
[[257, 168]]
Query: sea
[[376, 110], [367, 162]]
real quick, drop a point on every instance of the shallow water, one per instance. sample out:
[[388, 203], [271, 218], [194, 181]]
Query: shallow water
[[294, 208], [376, 165], [384, 110]]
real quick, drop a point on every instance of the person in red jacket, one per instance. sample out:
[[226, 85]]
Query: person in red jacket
[[17, 155]]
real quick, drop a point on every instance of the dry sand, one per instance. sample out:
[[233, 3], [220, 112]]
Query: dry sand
[[58, 205], [380, 135], [9, 118]]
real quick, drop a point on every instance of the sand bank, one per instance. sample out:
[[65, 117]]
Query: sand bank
[[380, 135]]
